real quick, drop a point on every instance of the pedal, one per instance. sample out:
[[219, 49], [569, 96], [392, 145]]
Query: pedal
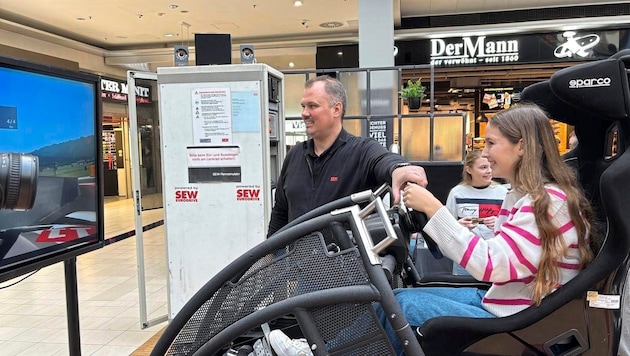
[[262, 348], [265, 341]]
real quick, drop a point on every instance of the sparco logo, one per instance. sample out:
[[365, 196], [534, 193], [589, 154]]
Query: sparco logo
[[589, 83]]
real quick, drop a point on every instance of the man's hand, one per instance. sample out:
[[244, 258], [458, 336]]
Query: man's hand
[[402, 175]]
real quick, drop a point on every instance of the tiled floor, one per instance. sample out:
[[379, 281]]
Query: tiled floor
[[33, 311]]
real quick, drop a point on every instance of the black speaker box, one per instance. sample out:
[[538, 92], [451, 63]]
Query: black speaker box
[[213, 49]]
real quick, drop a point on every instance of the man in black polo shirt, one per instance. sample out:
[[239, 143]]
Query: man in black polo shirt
[[333, 163]]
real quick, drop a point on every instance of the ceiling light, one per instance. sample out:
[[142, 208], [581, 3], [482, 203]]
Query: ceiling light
[[330, 24], [174, 6], [168, 35], [340, 53], [291, 64], [297, 3]]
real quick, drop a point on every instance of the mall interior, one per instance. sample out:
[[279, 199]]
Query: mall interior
[[473, 58]]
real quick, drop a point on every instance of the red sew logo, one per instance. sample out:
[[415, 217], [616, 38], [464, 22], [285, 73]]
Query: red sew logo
[[65, 234], [225, 139], [186, 196], [248, 194], [334, 179]]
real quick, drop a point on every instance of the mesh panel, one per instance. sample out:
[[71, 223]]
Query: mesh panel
[[345, 325], [302, 267]]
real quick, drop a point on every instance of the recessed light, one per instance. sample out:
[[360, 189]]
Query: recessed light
[[168, 35], [340, 53], [291, 64], [297, 3], [331, 24], [174, 6]]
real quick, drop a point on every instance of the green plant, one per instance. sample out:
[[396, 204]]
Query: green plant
[[413, 89]]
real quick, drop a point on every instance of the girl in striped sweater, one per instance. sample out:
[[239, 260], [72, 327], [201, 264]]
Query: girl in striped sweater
[[540, 237]]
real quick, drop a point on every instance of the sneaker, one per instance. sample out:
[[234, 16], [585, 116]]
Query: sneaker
[[285, 346]]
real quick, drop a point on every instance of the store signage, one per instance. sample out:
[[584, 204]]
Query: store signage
[[473, 50], [116, 90], [576, 46], [482, 50], [381, 131]]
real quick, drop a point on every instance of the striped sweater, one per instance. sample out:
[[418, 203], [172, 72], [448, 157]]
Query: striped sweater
[[510, 259]]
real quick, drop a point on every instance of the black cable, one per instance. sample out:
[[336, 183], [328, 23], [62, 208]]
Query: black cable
[[23, 278]]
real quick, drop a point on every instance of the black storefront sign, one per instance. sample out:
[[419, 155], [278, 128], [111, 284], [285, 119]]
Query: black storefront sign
[[116, 91], [381, 131], [565, 46]]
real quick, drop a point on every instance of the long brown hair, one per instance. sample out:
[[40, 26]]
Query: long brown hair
[[541, 164]]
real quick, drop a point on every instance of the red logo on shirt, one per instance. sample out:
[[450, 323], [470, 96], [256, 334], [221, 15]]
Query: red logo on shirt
[[486, 210], [334, 179]]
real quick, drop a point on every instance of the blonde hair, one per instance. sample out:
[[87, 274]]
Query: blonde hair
[[469, 161], [541, 164]]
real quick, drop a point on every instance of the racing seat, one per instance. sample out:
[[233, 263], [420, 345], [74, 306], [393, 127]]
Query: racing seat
[[595, 98]]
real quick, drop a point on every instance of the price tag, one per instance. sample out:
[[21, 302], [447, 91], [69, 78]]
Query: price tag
[[605, 301]]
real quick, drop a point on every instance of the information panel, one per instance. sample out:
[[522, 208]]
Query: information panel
[[217, 178]]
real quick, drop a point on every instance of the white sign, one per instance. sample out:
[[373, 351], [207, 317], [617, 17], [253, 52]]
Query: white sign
[[473, 51], [214, 157], [212, 116]]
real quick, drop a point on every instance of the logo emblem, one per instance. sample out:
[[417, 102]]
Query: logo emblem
[[589, 83], [576, 46]]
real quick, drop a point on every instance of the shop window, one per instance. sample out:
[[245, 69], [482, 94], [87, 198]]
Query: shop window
[[447, 132]]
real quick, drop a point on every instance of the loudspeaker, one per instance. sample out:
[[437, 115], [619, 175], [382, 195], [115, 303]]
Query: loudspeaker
[[247, 54], [213, 49], [181, 56]]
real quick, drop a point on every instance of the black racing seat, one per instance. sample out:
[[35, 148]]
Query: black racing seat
[[595, 98]]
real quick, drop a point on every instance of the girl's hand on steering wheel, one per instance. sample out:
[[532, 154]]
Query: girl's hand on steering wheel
[[420, 199]]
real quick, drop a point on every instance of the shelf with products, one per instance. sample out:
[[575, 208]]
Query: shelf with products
[[109, 147], [560, 129]]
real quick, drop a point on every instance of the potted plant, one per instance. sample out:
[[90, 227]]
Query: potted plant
[[413, 93]]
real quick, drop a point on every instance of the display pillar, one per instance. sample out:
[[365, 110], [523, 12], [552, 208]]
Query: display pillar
[[220, 136]]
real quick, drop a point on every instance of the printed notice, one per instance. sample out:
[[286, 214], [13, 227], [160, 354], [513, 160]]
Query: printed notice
[[214, 164], [212, 119], [604, 301], [246, 111]]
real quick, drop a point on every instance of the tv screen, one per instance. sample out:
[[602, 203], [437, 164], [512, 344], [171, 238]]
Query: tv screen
[[51, 206]]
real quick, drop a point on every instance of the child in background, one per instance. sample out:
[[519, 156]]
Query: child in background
[[475, 202]]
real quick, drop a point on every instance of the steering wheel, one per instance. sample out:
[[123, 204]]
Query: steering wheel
[[415, 221]]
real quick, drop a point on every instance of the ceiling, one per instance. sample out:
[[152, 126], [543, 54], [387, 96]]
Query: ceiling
[[131, 34]]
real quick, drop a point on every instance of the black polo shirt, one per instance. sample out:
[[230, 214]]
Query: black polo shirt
[[307, 181]]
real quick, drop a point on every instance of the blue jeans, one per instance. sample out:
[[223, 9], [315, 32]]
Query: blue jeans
[[420, 304]]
